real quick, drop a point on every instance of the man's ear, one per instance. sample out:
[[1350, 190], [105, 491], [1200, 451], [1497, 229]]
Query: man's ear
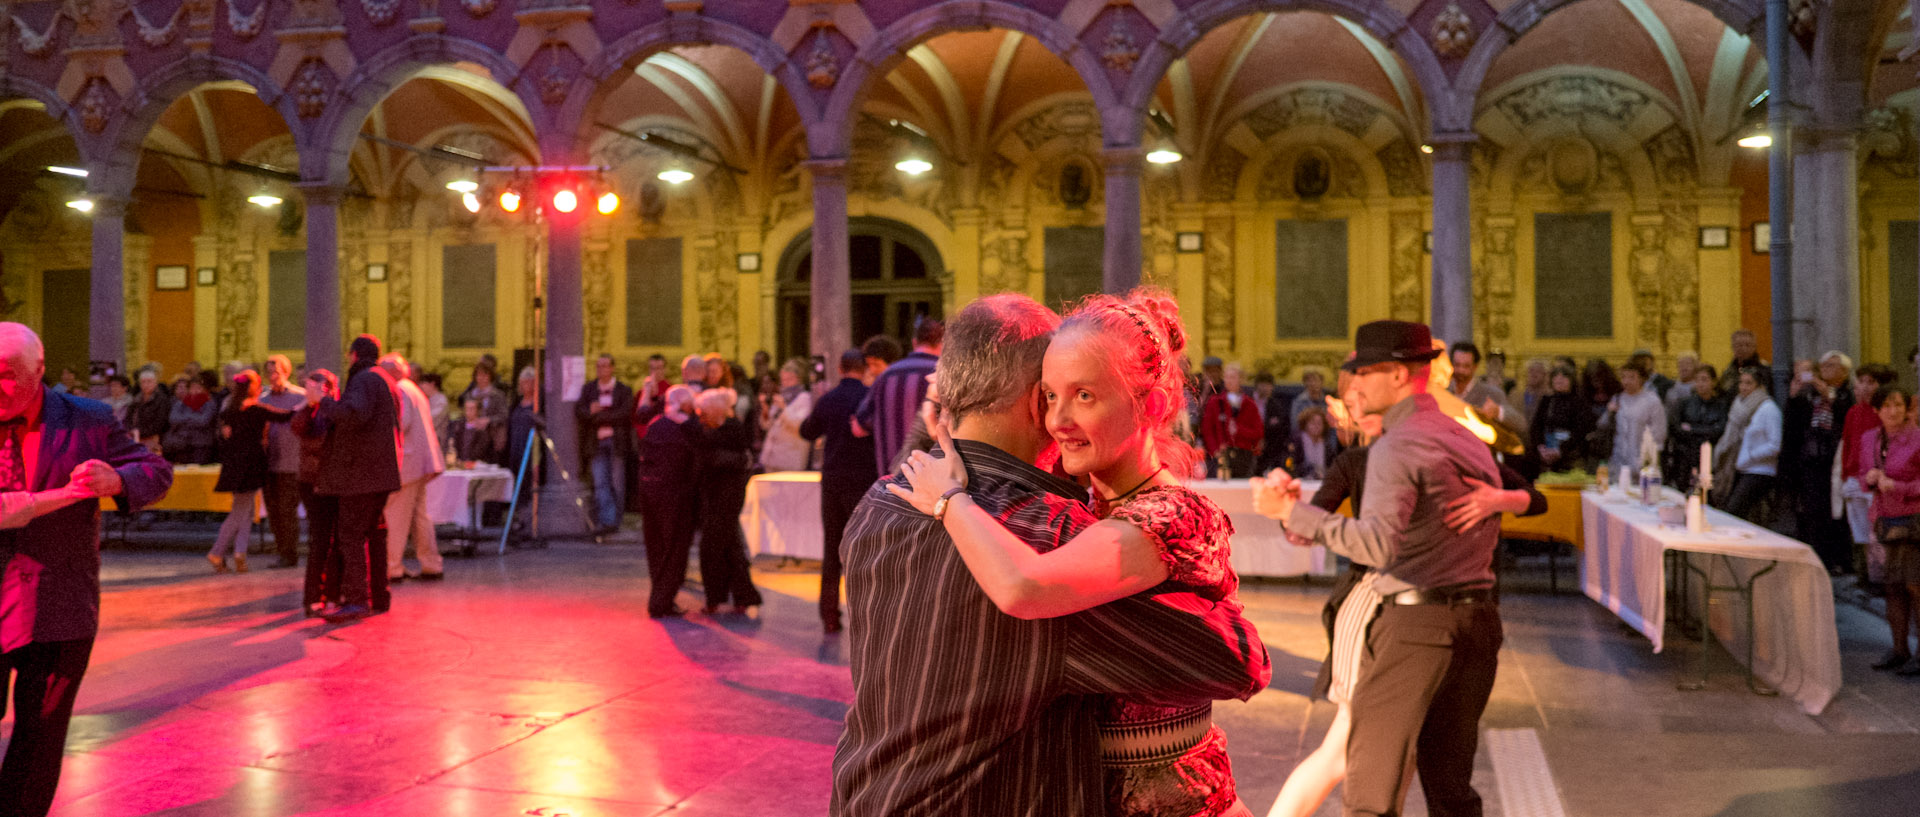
[[1037, 403]]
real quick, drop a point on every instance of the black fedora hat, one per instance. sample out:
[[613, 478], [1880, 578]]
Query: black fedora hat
[[1391, 342]]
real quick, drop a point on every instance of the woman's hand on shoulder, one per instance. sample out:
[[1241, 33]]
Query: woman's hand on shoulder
[[930, 477]]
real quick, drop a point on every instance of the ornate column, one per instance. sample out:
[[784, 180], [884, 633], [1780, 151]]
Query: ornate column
[[1121, 270], [324, 344], [830, 327], [1452, 317], [1826, 243], [107, 304]]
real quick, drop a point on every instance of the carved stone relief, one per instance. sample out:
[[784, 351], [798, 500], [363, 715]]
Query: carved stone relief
[[1221, 179], [1572, 96], [1452, 32], [1671, 152], [133, 262], [1648, 269], [1221, 294], [311, 83], [1076, 119], [1119, 51], [1681, 285], [1312, 106], [596, 288], [717, 286], [823, 65], [1310, 174], [400, 294], [1406, 176], [1406, 287], [1886, 144], [1493, 282]]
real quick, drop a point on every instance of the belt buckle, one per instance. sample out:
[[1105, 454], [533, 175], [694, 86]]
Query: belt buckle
[[1409, 598]]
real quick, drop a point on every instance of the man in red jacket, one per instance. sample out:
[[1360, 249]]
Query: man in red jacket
[[1231, 428]]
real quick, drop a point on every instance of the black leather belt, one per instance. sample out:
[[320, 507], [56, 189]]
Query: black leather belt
[[1445, 595]]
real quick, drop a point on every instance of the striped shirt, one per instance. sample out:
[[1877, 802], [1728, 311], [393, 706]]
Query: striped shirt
[[961, 709], [890, 406]]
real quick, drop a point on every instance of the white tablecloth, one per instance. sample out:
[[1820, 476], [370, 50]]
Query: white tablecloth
[[782, 518], [782, 515], [1797, 646], [1260, 547], [452, 496]]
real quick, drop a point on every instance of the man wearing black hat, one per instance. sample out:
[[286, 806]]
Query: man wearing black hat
[[1432, 650]]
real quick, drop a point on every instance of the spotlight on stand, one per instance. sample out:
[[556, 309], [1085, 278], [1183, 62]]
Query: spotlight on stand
[[510, 200], [608, 203]]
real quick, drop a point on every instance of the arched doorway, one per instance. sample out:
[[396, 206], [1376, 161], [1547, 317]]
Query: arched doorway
[[894, 278]]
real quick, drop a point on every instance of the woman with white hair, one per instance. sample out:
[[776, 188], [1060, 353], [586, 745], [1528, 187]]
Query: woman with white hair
[[724, 466], [781, 416], [668, 466], [1812, 430]]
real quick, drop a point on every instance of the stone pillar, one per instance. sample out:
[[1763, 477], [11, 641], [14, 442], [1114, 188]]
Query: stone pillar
[[1452, 313], [1826, 244], [324, 345], [830, 328], [107, 304], [565, 338], [1121, 270]]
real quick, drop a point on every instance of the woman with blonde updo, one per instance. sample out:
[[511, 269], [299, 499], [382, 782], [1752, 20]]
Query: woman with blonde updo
[[1112, 384]]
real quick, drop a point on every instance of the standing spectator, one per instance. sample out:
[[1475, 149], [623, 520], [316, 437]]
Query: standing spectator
[[50, 600], [881, 351], [652, 395], [1757, 456], [1231, 428], [762, 364], [1702, 418], [724, 465], [437, 404], [1687, 363], [785, 410], [1599, 385], [493, 403], [888, 412], [361, 466], [1526, 395], [1486, 399], [1746, 354], [70, 382], [1313, 447], [1660, 383], [604, 411], [693, 373], [1863, 417], [324, 563], [1276, 420], [1561, 424], [718, 374], [120, 399], [1496, 375], [282, 488], [846, 471], [190, 425], [526, 419], [1816, 413], [1894, 480], [668, 458], [1630, 414], [420, 461], [1315, 395], [244, 422]]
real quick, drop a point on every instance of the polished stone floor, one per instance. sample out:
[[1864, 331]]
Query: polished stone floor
[[534, 684]]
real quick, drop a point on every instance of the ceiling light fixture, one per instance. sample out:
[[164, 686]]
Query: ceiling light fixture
[[463, 186], [1757, 141], [264, 199], [470, 201], [79, 172], [913, 166], [676, 175], [1424, 148], [83, 205], [1164, 156]]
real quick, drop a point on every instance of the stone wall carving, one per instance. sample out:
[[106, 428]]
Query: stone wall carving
[[1077, 118], [1221, 179], [1406, 175], [1285, 177], [400, 294], [1574, 96], [1312, 106], [1680, 286], [355, 212], [596, 289], [717, 286], [1671, 153], [1407, 290], [1494, 280], [135, 256], [1648, 268], [1289, 365], [1222, 290]]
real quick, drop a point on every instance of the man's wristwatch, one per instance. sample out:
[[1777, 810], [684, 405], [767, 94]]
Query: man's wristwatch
[[940, 507]]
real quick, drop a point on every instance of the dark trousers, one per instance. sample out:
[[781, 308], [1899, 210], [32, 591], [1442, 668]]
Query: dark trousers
[[48, 681], [837, 500], [725, 571], [667, 524], [361, 536], [1424, 681], [1830, 538], [1749, 492], [323, 556], [283, 515]]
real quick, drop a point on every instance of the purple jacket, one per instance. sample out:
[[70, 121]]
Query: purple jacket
[[51, 588]]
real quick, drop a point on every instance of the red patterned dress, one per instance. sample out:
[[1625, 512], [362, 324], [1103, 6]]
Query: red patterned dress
[[1167, 758]]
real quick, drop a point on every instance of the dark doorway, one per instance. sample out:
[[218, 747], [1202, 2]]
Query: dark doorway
[[893, 279]]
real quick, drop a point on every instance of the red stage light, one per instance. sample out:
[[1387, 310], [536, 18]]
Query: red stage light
[[564, 200]]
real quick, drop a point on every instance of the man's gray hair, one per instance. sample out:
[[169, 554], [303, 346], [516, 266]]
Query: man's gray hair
[[18, 338], [680, 398], [715, 399], [527, 373], [396, 365], [992, 354]]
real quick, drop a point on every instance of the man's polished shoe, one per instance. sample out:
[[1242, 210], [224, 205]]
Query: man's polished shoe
[[430, 577], [1892, 660], [351, 612], [669, 613], [393, 580]]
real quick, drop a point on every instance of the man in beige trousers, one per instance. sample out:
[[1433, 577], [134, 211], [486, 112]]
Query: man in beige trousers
[[420, 462]]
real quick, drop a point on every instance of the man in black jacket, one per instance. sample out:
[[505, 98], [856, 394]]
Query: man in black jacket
[[605, 414], [360, 464], [669, 458], [846, 471]]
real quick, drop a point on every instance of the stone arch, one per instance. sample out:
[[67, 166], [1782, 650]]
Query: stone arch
[[1625, 139], [328, 150], [1455, 110], [1375, 16], [834, 137], [118, 157], [1285, 145], [621, 54], [14, 86]]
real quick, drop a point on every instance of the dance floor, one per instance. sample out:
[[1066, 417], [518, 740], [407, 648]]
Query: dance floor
[[534, 684]]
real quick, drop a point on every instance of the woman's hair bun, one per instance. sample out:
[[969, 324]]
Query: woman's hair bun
[[1164, 312]]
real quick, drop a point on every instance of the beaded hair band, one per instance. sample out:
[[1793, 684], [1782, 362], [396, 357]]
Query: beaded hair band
[[1153, 338]]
